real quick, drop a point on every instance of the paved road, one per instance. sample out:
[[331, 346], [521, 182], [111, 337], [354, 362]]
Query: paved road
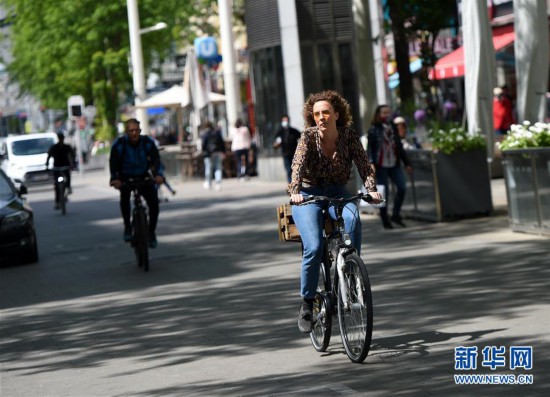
[[216, 315]]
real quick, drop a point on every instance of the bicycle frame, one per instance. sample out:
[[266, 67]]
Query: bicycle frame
[[348, 288], [341, 240], [60, 180], [139, 214]]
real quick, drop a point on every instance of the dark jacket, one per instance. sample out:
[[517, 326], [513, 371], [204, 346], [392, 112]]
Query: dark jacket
[[63, 155], [128, 161], [289, 140], [212, 141], [375, 138]]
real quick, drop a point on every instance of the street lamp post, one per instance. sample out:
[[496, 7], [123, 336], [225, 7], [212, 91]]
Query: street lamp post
[[136, 53], [158, 26]]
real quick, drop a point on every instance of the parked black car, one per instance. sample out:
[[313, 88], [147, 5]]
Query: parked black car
[[17, 233]]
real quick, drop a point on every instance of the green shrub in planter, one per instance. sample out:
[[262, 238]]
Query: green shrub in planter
[[451, 179], [455, 140], [526, 155], [523, 136]]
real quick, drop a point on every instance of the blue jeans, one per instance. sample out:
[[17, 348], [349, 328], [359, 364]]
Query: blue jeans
[[397, 175], [213, 165], [239, 154], [309, 221]]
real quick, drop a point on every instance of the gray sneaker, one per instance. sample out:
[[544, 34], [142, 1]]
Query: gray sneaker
[[305, 317]]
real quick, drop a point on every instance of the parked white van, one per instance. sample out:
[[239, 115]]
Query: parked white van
[[23, 157]]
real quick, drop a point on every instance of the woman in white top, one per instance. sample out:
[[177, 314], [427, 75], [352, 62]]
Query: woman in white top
[[240, 146]]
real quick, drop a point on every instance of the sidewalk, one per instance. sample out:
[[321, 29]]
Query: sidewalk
[[98, 165]]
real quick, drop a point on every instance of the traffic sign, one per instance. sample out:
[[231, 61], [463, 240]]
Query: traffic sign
[[75, 105]]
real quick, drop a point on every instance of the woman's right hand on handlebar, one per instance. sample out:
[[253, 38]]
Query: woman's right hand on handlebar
[[296, 198]]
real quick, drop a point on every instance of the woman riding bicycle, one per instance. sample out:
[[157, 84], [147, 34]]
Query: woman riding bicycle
[[322, 166]]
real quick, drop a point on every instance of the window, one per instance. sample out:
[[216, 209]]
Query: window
[[29, 147]]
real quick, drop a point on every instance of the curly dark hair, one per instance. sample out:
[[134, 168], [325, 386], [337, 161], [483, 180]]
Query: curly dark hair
[[338, 102]]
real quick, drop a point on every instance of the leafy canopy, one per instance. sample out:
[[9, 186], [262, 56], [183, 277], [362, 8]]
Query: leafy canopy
[[65, 47]]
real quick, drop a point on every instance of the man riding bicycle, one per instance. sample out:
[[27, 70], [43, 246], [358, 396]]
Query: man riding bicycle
[[63, 157], [133, 157]]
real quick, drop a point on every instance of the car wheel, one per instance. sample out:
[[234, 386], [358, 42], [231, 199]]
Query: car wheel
[[32, 255]]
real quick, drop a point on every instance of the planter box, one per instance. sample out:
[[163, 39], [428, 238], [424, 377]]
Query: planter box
[[527, 179], [446, 187]]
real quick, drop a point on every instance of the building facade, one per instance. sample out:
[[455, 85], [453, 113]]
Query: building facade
[[297, 47]]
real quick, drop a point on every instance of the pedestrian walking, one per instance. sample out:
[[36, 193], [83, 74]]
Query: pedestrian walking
[[287, 139], [213, 149], [386, 153], [240, 146], [503, 115]]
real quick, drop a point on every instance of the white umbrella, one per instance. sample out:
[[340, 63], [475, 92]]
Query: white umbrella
[[172, 98], [194, 92], [193, 83], [531, 50], [479, 57]]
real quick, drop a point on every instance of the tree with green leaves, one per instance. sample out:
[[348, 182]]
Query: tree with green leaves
[[417, 19], [66, 47]]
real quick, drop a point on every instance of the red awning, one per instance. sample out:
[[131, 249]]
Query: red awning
[[452, 64]]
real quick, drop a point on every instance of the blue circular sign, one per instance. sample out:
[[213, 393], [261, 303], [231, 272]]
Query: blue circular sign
[[206, 48]]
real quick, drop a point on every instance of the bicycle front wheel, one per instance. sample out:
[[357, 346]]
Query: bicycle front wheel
[[322, 313], [141, 239], [355, 309]]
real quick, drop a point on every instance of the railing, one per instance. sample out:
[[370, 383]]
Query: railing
[[527, 179]]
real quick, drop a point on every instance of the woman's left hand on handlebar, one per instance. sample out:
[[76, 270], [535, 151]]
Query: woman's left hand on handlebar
[[376, 197], [159, 180]]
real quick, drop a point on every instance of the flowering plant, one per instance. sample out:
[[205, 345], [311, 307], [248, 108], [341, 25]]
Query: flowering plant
[[454, 140], [526, 136]]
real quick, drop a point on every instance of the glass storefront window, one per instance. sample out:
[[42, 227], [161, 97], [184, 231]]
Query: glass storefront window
[[269, 88], [326, 67]]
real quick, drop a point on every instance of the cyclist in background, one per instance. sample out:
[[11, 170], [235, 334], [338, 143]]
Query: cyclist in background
[[135, 156], [322, 166], [63, 156]]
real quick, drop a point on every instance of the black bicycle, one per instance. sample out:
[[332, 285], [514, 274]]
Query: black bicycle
[[60, 179], [140, 221], [343, 289]]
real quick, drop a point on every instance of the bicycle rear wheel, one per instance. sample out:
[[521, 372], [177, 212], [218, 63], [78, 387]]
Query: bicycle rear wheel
[[62, 197], [141, 238], [322, 311], [355, 317]]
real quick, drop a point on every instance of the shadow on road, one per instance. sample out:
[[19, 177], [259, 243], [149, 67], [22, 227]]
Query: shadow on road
[[222, 286]]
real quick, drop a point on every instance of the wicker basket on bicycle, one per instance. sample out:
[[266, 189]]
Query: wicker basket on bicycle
[[287, 228]]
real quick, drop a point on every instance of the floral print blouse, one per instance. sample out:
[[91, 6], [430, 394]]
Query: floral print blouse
[[310, 167]]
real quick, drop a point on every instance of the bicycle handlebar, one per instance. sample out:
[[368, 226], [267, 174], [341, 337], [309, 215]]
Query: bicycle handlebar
[[165, 183], [363, 196], [136, 182], [64, 168]]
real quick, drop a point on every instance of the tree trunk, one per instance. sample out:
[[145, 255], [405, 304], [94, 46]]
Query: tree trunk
[[401, 46]]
